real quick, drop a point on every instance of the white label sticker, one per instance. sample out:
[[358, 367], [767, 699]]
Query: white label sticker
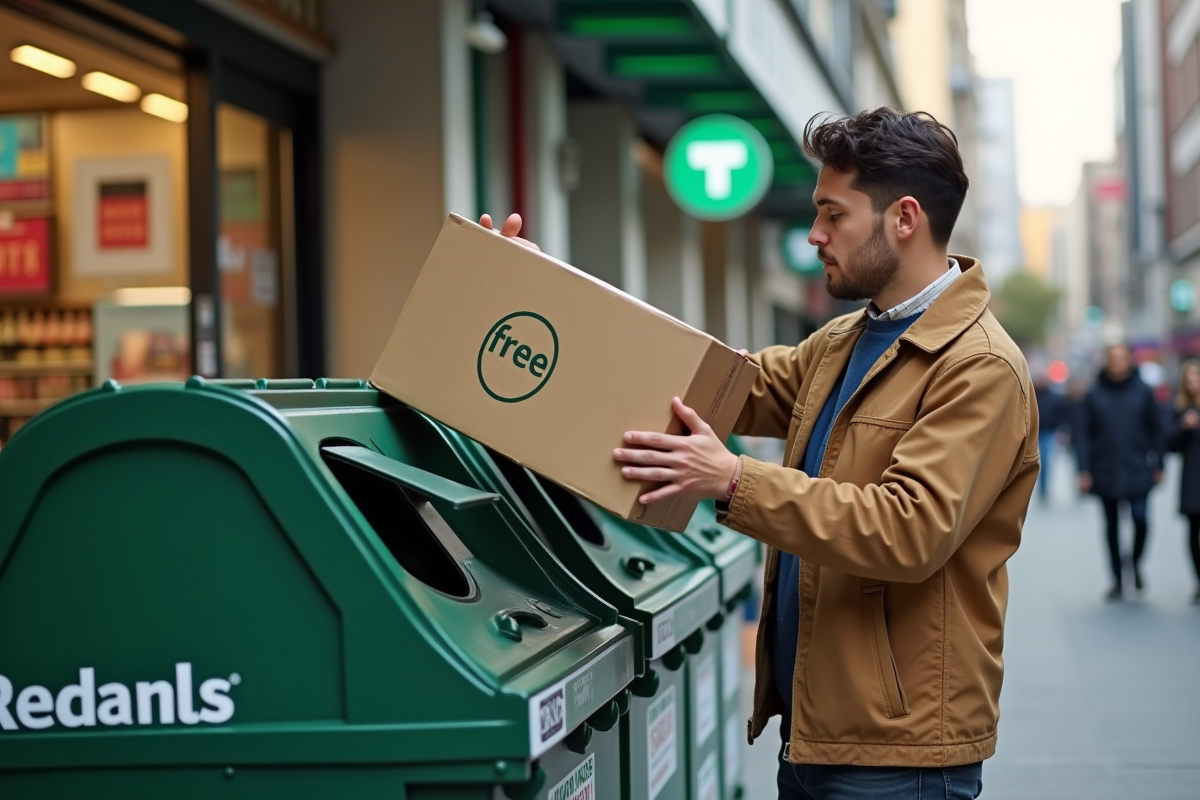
[[733, 753], [579, 785], [661, 740], [706, 698], [664, 632], [547, 718], [706, 779], [731, 660]]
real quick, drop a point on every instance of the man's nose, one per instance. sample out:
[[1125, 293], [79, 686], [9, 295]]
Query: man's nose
[[817, 237]]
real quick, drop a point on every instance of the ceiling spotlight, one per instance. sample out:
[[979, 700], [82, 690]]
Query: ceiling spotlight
[[43, 61], [162, 106], [485, 36], [111, 86]]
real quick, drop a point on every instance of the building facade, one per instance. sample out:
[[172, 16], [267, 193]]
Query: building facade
[[290, 163]]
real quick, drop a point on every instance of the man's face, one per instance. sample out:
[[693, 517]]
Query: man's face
[[1118, 362], [850, 239]]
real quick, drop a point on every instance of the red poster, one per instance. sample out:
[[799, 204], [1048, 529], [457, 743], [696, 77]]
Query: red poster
[[124, 215], [24, 260]]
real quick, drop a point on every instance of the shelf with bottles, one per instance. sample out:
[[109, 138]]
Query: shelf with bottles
[[45, 339]]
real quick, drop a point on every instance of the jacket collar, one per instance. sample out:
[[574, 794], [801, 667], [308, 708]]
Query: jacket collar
[[955, 310]]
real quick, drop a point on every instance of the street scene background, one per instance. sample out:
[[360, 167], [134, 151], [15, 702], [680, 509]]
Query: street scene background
[[247, 190]]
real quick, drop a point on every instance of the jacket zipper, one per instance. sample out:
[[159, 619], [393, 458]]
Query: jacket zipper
[[888, 355]]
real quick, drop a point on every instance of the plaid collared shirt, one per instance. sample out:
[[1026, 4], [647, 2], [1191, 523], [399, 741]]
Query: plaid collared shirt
[[923, 300]]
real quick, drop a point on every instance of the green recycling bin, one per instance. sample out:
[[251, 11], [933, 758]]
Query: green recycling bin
[[288, 592], [736, 557], [673, 750]]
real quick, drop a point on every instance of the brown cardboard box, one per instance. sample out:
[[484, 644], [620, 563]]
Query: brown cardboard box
[[550, 366]]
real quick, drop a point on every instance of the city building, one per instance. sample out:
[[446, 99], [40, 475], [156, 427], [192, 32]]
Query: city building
[[996, 200], [248, 188], [1178, 24]]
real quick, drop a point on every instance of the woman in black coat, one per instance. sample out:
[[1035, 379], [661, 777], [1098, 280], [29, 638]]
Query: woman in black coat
[[1120, 450], [1185, 439]]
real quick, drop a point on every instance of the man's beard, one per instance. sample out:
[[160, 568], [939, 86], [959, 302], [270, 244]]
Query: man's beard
[[867, 271]]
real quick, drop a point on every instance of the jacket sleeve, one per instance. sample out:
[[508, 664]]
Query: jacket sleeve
[[768, 409], [967, 443], [1157, 427], [1177, 435], [1081, 435]]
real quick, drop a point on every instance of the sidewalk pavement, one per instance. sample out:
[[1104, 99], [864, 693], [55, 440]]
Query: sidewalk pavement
[[1101, 700]]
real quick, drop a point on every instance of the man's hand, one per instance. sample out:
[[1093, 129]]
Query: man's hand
[[510, 228], [696, 465], [1085, 482], [1191, 418], [1158, 476]]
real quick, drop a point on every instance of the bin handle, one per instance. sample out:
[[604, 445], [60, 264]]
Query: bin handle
[[410, 477], [508, 622]]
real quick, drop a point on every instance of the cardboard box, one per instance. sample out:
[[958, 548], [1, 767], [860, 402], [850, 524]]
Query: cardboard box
[[550, 366]]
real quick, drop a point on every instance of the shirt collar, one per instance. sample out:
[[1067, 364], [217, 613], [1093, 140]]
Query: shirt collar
[[922, 300]]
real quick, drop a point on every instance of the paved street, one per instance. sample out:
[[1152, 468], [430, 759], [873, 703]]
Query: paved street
[[1101, 700]]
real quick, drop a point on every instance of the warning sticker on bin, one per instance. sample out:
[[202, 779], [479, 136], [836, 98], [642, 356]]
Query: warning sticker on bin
[[661, 728], [579, 785], [706, 698]]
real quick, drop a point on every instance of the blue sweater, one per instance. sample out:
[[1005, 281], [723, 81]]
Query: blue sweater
[[877, 338]]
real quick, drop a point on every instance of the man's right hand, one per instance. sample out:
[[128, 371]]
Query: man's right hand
[[510, 228], [1085, 482]]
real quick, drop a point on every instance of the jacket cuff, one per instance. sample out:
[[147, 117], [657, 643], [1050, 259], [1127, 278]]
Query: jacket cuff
[[738, 510]]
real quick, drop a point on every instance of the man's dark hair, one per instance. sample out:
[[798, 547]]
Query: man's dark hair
[[894, 154]]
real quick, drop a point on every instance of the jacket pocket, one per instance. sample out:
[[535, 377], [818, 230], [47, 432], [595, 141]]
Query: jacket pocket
[[895, 705]]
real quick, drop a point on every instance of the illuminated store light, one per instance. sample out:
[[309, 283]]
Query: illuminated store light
[[111, 86], [153, 296], [162, 106], [43, 61]]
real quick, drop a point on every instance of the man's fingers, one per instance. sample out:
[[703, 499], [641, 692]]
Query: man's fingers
[[654, 474], [688, 415], [527, 243], [659, 441], [486, 221], [660, 458], [663, 493], [512, 225]]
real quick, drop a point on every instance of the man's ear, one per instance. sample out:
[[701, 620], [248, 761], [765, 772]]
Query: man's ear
[[908, 216]]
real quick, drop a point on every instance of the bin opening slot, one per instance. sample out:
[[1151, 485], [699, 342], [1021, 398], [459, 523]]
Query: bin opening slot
[[399, 523], [525, 484], [420, 481]]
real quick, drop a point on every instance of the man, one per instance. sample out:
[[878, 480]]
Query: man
[[1052, 412], [1119, 446], [910, 461]]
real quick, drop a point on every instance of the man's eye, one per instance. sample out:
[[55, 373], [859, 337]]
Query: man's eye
[[834, 217]]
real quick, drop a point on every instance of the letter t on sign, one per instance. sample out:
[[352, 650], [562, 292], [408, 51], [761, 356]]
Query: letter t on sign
[[717, 160]]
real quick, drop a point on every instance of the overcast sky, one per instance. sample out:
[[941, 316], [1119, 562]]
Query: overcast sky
[[1061, 55]]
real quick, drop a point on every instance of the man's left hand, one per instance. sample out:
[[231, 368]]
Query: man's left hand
[[698, 464]]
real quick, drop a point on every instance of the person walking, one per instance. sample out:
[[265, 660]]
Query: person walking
[[1052, 416], [911, 457], [1119, 446], [1185, 440]]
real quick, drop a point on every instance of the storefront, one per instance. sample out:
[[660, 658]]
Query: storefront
[[158, 194]]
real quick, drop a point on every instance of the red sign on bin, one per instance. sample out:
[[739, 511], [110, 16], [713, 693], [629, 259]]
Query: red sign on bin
[[24, 260]]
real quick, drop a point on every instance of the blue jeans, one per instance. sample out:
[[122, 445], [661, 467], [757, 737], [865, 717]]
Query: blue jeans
[[1046, 441], [842, 782]]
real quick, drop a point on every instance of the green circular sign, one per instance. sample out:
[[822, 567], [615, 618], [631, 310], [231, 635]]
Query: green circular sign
[[798, 254], [517, 357], [717, 167]]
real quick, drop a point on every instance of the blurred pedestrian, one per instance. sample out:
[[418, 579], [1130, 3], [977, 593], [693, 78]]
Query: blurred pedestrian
[[1119, 445], [1185, 439], [1052, 415]]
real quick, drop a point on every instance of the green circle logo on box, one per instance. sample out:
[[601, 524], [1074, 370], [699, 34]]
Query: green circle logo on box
[[718, 167], [517, 357]]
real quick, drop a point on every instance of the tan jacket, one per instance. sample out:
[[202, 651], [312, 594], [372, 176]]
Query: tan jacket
[[903, 538]]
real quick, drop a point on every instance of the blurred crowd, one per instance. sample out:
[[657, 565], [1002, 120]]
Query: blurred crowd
[[1119, 430]]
